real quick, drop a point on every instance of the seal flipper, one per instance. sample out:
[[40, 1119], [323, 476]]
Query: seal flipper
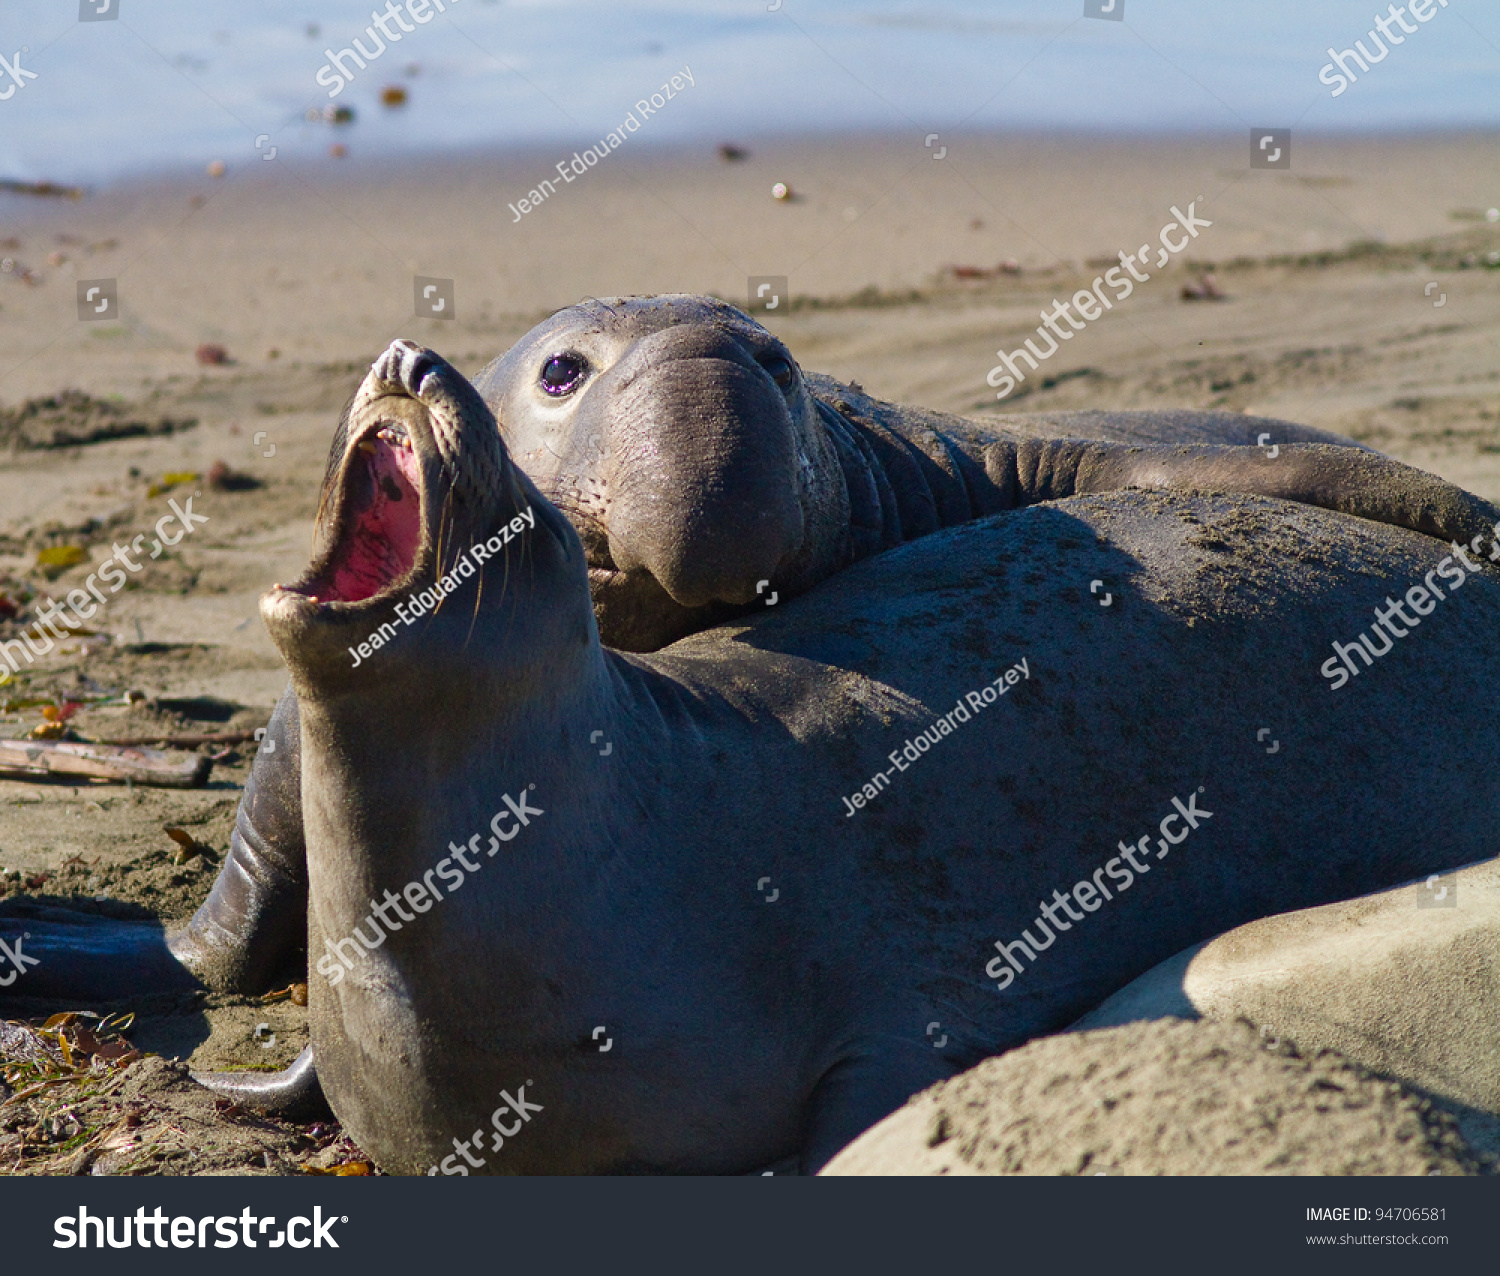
[[255, 919], [295, 1093], [79, 957]]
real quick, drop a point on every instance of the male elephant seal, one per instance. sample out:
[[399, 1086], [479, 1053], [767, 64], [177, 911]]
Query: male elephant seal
[[665, 428], [705, 471], [491, 889]]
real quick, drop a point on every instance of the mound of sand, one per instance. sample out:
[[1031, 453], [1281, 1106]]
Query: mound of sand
[[1166, 1097]]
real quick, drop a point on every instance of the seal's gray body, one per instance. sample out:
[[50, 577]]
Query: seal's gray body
[[640, 898]]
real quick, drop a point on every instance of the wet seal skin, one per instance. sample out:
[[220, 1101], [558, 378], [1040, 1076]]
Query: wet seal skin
[[742, 1030]]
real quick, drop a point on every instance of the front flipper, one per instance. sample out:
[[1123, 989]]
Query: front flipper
[[254, 922], [295, 1094], [251, 928], [1363, 484], [59, 954]]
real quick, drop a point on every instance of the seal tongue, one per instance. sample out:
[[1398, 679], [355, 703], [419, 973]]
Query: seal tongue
[[384, 528]]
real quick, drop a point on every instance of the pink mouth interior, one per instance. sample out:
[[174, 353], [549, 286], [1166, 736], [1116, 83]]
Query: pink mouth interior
[[383, 527]]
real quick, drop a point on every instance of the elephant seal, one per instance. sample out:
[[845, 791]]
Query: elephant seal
[[662, 427], [705, 471], [1403, 982], [490, 886]]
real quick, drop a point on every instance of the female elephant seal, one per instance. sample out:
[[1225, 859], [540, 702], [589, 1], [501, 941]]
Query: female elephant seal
[[520, 843]]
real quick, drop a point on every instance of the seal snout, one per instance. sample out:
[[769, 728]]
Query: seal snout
[[704, 477]]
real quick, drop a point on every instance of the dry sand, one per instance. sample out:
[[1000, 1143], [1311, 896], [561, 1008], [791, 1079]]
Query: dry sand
[[1327, 322]]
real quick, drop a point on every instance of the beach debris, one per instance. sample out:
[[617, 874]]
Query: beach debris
[[732, 154], [171, 479], [53, 561], [338, 115], [51, 190], [25, 759], [211, 355], [1204, 288], [54, 724], [188, 847], [217, 168], [1006, 267], [182, 741], [67, 1047], [23, 272], [393, 95], [223, 479], [781, 192], [273, 353], [338, 151], [57, 259], [72, 418]]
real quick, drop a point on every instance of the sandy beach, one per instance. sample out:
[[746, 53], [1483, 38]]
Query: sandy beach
[[1361, 294]]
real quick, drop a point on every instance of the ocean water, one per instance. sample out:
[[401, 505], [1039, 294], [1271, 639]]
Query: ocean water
[[176, 84]]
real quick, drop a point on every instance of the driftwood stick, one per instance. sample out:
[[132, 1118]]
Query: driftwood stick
[[27, 758], [185, 741]]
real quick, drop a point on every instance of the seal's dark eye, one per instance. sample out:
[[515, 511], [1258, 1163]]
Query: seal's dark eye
[[779, 369], [562, 373]]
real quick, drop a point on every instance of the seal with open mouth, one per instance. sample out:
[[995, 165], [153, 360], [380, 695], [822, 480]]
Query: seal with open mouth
[[490, 885]]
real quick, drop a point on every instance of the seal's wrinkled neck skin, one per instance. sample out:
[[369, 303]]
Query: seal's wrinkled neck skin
[[711, 475]]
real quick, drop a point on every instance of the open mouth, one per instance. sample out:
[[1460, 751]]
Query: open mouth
[[379, 520]]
